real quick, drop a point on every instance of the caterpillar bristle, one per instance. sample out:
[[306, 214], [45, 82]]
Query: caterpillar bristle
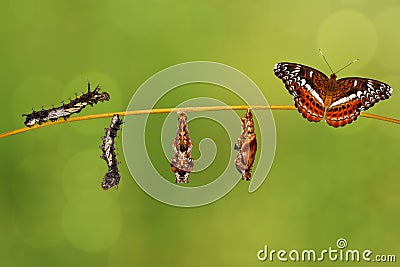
[[65, 110]]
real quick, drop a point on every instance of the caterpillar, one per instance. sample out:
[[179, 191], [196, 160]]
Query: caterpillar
[[112, 177], [246, 146], [66, 110], [182, 163]]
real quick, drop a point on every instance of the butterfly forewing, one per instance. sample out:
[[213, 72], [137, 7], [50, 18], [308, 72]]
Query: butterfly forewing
[[306, 85]]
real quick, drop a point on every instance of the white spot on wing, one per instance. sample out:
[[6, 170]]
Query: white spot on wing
[[344, 100], [316, 95], [370, 85]]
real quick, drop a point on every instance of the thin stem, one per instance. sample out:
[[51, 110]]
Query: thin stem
[[378, 117], [169, 110]]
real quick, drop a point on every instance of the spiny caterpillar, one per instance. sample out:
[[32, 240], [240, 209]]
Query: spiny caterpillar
[[111, 178], [65, 111]]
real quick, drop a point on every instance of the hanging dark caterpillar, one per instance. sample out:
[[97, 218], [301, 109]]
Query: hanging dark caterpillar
[[182, 163], [65, 111], [246, 146], [111, 178]]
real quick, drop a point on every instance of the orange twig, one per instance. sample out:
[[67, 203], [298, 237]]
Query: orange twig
[[168, 110]]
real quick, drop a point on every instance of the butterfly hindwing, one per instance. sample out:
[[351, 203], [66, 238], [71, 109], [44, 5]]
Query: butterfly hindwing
[[306, 85], [354, 95]]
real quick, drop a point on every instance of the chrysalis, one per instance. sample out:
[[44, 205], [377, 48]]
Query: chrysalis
[[182, 163], [111, 178], [64, 111], [246, 146]]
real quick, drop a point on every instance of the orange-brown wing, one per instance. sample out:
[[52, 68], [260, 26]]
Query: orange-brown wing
[[354, 96], [307, 86]]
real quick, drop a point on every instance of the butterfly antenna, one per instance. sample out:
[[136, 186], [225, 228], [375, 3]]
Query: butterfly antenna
[[326, 61], [355, 60]]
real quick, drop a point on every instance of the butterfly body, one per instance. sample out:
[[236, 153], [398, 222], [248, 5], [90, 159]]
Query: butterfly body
[[318, 97]]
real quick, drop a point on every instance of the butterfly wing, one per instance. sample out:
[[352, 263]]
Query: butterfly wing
[[353, 96], [306, 85]]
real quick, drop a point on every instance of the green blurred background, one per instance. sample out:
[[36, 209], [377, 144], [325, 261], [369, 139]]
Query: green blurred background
[[325, 183]]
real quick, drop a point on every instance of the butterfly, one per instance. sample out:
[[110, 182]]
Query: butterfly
[[338, 101]]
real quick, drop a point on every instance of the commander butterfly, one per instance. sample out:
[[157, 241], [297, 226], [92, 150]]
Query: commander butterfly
[[338, 101]]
